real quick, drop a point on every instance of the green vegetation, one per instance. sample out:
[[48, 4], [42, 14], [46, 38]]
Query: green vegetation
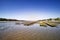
[[57, 19], [43, 22], [4, 19], [49, 19], [51, 24]]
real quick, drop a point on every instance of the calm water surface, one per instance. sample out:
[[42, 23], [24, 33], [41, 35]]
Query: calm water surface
[[11, 31]]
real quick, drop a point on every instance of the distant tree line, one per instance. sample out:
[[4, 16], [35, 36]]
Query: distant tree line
[[4, 19], [53, 19], [57, 19]]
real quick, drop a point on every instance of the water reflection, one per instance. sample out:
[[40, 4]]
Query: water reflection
[[41, 24], [28, 32]]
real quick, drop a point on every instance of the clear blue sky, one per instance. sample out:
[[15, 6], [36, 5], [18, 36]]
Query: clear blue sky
[[29, 9]]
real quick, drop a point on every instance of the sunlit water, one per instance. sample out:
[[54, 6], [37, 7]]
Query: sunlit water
[[11, 31]]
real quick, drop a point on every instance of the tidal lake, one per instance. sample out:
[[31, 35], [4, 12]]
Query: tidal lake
[[13, 31]]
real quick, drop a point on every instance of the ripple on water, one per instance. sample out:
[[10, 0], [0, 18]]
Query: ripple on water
[[33, 32]]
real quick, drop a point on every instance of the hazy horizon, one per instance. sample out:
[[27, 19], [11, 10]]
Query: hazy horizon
[[29, 9]]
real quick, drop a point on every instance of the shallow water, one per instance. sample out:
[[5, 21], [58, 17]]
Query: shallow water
[[11, 31]]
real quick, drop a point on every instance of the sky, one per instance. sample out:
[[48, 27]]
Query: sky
[[29, 9]]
